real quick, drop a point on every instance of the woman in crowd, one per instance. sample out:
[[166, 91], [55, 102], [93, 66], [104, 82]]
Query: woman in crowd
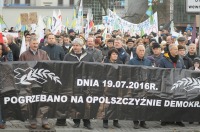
[[112, 58], [196, 65]]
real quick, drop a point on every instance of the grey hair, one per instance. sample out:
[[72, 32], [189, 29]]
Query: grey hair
[[78, 41], [192, 44], [140, 46], [172, 45], [8, 36], [33, 38]]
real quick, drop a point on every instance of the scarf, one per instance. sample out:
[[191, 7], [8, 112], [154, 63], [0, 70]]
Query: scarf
[[174, 59]]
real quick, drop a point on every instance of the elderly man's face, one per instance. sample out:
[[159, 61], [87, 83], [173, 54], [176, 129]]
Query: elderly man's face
[[118, 44], [140, 51], [77, 48], [174, 50], [34, 45], [192, 49]]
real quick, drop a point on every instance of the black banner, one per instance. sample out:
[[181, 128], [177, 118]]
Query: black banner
[[101, 91]]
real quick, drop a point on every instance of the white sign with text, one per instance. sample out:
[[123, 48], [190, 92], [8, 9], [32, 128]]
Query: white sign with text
[[193, 5]]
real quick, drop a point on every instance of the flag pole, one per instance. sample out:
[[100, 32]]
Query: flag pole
[[199, 37], [142, 17]]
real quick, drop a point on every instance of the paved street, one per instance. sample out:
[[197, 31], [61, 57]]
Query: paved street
[[127, 126]]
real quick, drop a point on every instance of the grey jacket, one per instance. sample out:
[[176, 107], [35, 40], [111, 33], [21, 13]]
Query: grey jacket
[[84, 57], [96, 53]]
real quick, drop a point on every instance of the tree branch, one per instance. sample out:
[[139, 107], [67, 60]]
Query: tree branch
[[104, 5]]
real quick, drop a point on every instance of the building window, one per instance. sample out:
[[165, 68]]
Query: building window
[[60, 2], [71, 2], [28, 2], [17, 1]]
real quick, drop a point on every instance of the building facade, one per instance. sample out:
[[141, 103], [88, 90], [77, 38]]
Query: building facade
[[66, 3], [167, 9]]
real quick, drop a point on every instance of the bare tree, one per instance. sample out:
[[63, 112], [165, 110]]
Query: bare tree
[[135, 11], [104, 5]]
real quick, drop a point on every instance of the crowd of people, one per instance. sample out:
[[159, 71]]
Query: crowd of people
[[153, 50]]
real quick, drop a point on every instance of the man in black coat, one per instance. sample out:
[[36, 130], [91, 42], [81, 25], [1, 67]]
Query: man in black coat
[[79, 54], [15, 49], [55, 52], [192, 51]]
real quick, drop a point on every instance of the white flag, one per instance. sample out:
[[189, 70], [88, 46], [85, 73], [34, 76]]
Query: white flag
[[80, 17], [23, 46]]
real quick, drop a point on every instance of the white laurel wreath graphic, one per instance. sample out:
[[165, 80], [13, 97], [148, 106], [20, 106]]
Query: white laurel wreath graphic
[[188, 83], [36, 74]]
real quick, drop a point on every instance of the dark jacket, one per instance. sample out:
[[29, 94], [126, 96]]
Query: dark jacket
[[15, 51], [55, 52], [96, 53], [157, 59], [66, 48], [131, 50], [123, 55], [83, 57], [187, 62], [166, 62], [138, 61], [106, 60], [105, 50], [3, 58], [192, 56]]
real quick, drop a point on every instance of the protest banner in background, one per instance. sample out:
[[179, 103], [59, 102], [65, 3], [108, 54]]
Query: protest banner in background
[[24, 18], [115, 22], [33, 19], [95, 90]]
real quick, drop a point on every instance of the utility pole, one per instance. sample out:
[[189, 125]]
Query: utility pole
[[171, 10]]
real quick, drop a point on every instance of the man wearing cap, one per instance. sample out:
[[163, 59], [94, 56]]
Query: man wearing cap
[[109, 45], [71, 34], [182, 53], [79, 54], [131, 50], [182, 41], [157, 55]]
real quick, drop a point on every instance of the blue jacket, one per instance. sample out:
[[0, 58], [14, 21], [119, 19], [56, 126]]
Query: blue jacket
[[166, 62], [54, 52], [138, 61]]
